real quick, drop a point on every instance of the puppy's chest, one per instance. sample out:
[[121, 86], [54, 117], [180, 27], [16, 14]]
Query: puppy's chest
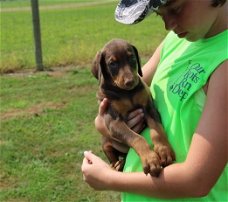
[[123, 106]]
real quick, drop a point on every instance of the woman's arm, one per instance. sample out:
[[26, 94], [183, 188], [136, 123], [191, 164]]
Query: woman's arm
[[196, 176], [150, 67]]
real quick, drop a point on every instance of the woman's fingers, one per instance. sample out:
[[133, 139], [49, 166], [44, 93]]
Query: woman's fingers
[[135, 113], [88, 157], [103, 106], [135, 119], [139, 127]]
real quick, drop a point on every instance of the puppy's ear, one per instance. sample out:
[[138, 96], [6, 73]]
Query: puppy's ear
[[138, 60], [99, 66], [104, 68], [96, 65]]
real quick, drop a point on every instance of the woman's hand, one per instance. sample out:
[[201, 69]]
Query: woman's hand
[[136, 120], [99, 120], [95, 171]]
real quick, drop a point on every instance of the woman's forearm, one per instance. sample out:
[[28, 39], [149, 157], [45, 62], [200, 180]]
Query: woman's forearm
[[181, 180], [174, 182], [193, 178]]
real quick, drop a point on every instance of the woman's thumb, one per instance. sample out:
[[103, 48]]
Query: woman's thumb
[[103, 106], [89, 156]]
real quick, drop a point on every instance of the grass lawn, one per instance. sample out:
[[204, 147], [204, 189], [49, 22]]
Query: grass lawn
[[46, 118], [46, 124], [26, 3], [70, 35]]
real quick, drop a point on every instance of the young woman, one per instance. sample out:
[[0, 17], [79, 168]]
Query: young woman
[[188, 75]]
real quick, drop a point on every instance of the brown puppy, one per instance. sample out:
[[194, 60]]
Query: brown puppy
[[117, 67]]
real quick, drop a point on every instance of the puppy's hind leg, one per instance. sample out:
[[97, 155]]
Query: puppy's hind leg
[[116, 158]]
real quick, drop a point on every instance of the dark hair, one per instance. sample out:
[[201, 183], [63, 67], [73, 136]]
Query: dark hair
[[216, 3]]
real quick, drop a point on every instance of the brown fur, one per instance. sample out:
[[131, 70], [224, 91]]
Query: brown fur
[[117, 67]]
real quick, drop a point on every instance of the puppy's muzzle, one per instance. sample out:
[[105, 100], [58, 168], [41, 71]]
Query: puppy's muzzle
[[129, 82]]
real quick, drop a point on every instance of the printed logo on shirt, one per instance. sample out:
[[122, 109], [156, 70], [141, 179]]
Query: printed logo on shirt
[[185, 81]]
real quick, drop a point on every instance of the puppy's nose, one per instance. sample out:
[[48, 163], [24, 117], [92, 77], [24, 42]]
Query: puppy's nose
[[129, 82]]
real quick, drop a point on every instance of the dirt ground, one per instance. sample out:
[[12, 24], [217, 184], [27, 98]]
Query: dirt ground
[[36, 110]]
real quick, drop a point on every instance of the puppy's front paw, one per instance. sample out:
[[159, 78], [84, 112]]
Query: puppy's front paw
[[166, 154], [151, 164]]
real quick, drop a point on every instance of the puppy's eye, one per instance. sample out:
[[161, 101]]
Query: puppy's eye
[[113, 66], [132, 60]]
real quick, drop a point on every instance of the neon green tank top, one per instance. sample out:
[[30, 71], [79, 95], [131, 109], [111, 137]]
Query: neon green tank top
[[184, 69]]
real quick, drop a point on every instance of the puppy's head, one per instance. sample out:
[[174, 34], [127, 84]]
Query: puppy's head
[[118, 63]]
